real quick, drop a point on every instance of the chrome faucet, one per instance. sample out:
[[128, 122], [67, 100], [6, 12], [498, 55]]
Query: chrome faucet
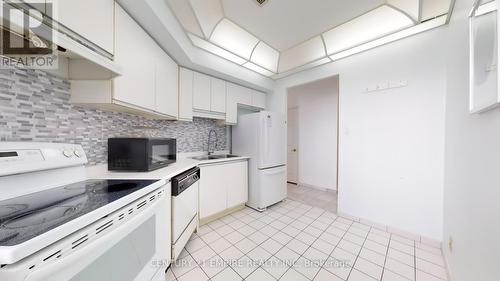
[[209, 139]]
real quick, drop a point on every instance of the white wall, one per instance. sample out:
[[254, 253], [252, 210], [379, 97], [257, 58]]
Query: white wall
[[391, 143], [317, 131], [472, 174]]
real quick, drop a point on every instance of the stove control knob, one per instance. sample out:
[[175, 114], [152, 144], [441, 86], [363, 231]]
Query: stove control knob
[[67, 153], [77, 154]]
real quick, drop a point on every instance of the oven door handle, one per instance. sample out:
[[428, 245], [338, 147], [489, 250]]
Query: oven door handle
[[67, 267]]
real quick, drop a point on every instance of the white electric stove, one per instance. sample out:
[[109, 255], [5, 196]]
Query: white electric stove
[[55, 224]]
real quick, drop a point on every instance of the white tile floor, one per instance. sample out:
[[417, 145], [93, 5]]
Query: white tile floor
[[293, 241], [326, 200]]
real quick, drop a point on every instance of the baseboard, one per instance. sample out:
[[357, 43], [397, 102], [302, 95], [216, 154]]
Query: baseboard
[[317, 187], [221, 214], [394, 230]]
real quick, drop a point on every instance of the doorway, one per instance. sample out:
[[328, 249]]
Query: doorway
[[313, 143], [292, 145]]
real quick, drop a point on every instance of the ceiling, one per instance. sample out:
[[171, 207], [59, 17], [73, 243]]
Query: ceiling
[[285, 36], [285, 23]]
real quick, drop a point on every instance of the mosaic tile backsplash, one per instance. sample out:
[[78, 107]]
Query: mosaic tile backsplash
[[34, 106]]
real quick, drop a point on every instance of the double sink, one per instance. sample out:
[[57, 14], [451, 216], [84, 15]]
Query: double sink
[[214, 157]]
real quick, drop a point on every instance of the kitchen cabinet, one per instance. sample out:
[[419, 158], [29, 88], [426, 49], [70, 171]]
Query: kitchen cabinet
[[209, 96], [218, 95], [166, 81], [185, 94], [149, 84], [258, 100], [241, 96], [223, 186], [134, 49], [92, 19], [201, 91], [212, 190], [237, 184]]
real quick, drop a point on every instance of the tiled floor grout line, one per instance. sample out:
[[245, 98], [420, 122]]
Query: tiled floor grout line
[[386, 256], [292, 213], [337, 246], [309, 246], [415, 259], [359, 252], [246, 236], [307, 225]]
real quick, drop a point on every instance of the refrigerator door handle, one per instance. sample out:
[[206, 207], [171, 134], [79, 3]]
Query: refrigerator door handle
[[274, 170], [266, 140]]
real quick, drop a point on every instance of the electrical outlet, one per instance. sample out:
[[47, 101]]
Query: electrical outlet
[[450, 244]]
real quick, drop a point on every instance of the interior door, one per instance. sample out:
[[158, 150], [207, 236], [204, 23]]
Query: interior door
[[292, 146]]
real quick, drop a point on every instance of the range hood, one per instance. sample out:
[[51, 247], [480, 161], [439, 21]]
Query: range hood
[[78, 58]]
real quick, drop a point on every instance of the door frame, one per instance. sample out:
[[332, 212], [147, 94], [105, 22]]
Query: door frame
[[338, 122], [297, 143]]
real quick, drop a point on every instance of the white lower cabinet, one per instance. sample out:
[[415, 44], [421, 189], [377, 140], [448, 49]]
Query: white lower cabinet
[[212, 190], [237, 184], [222, 186]]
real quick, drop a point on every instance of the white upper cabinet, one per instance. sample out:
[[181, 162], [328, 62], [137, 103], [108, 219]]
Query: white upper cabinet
[[258, 100], [167, 84], [133, 52], [241, 96], [209, 96], [231, 104], [201, 91], [185, 94], [149, 85], [218, 96], [204, 96], [92, 19]]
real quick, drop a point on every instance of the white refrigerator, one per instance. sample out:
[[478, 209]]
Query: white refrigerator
[[262, 137]]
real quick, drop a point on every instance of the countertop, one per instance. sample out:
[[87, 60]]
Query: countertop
[[183, 164]]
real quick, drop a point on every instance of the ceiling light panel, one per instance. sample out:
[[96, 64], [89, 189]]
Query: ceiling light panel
[[303, 67], [391, 38], [265, 56], [370, 26], [186, 16], [234, 39], [301, 54], [410, 7], [258, 69], [209, 47], [434, 8], [209, 13]]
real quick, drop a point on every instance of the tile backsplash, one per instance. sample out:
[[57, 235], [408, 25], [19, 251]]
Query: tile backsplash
[[34, 106]]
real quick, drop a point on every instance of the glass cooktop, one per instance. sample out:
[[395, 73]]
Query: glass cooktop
[[25, 217]]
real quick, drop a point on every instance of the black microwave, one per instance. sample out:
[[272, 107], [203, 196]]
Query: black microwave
[[140, 154]]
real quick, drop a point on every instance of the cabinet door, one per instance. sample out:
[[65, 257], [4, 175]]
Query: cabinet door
[[185, 94], [218, 96], [236, 183], [244, 96], [201, 91], [167, 84], [212, 190], [259, 100], [92, 19], [135, 54], [232, 103]]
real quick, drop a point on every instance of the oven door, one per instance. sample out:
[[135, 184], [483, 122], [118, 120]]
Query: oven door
[[162, 152], [138, 250]]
